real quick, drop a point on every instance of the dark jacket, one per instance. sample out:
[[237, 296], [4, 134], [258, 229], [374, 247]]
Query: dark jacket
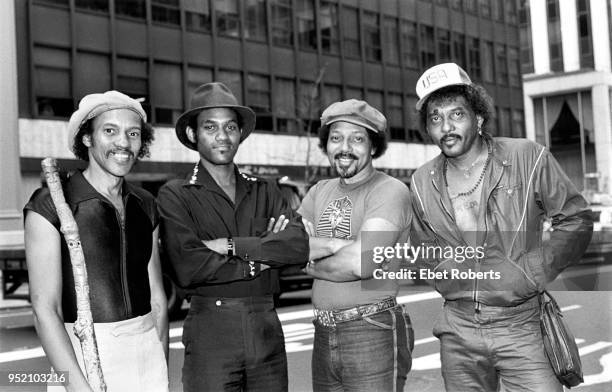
[[116, 257], [523, 185], [192, 212]]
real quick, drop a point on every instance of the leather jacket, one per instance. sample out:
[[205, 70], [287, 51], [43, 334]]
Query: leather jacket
[[116, 254], [523, 185]]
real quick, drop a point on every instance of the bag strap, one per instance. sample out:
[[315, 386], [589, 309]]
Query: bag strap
[[542, 299]]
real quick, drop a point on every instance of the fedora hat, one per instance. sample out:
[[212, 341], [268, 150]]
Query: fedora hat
[[209, 96]]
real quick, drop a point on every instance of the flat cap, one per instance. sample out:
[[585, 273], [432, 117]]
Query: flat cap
[[355, 112], [93, 105]]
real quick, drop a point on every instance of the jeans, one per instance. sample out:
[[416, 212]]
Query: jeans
[[498, 348], [234, 344], [369, 354], [131, 355]]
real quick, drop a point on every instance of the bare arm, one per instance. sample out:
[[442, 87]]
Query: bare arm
[[159, 304], [321, 247], [43, 256], [346, 264]]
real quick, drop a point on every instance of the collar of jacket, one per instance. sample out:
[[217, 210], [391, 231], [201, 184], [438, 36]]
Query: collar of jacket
[[244, 182], [81, 190], [499, 160]]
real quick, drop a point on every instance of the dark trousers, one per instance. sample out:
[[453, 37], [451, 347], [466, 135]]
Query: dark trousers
[[234, 344]]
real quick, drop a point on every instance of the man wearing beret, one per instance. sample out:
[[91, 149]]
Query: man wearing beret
[[118, 230], [491, 194], [222, 230], [363, 339]]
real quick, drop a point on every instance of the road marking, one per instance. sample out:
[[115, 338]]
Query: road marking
[[604, 376], [19, 355], [594, 347]]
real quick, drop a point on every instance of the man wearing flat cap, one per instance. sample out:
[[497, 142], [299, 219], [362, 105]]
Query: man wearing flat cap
[[118, 231], [222, 231], [491, 194], [363, 338]]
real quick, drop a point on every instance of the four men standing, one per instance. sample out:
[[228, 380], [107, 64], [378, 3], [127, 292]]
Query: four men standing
[[227, 234]]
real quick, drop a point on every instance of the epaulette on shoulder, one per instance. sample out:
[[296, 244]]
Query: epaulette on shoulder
[[249, 177]]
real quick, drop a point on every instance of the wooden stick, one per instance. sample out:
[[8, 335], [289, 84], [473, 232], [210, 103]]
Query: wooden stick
[[83, 327]]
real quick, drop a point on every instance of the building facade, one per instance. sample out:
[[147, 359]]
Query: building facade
[[287, 59], [567, 85]]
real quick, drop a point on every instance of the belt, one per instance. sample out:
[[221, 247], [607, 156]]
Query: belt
[[329, 318]]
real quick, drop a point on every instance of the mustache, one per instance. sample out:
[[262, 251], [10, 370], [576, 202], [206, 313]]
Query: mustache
[[345, 155], [116, 150], [450, 135]]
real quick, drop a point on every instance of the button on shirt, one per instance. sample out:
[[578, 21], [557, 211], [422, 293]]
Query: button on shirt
[[193, 211]]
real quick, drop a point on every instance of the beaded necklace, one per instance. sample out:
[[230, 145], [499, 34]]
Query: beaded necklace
[[484, 169]]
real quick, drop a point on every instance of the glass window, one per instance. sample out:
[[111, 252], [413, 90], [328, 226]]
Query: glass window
[[282, 26], [165, 11], [305, 17], [488, 62], [197, 76], [88, 64], [375, 99], [485, 8], [371, 36], [131, 8], [511, 10], [132, 79], [427, 48], [227, 18], [390, 40], [256, 28], [555, 44], [518, 123], [515, 67], [330, 31], [197, 15], [330, 93], [497, 10], [258, 98], [233, 81], [585, 43], [258, 93], [354, 92], [459, 49], [52, 82], [444, 46], [395, 116], [526, 54], [350, 32], [309, 105], [413, 133], [469, 6], [474, 67], [504, 126], [409, 44], [94, 5], [501, 64], [284, 105], [455, 4]]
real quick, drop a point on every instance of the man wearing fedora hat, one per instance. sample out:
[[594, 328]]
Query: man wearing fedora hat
[[491, 193], [118, 231], [363, 338], [220, 234]]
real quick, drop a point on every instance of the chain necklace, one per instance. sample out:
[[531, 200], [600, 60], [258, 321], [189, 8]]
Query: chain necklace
[[467, 171], [467, 193]]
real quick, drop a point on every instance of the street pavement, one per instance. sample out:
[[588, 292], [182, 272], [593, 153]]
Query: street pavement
[[589, 314]]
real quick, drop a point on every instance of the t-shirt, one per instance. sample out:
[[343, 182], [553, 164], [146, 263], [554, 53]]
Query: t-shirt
[[339, 210]]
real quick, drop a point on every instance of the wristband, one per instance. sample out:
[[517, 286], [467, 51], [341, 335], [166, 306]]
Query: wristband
[[230, 246]]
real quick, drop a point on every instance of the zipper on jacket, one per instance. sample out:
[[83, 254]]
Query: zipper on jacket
[[123, 260]]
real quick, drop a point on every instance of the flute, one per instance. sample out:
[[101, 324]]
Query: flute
[[83, 327]]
